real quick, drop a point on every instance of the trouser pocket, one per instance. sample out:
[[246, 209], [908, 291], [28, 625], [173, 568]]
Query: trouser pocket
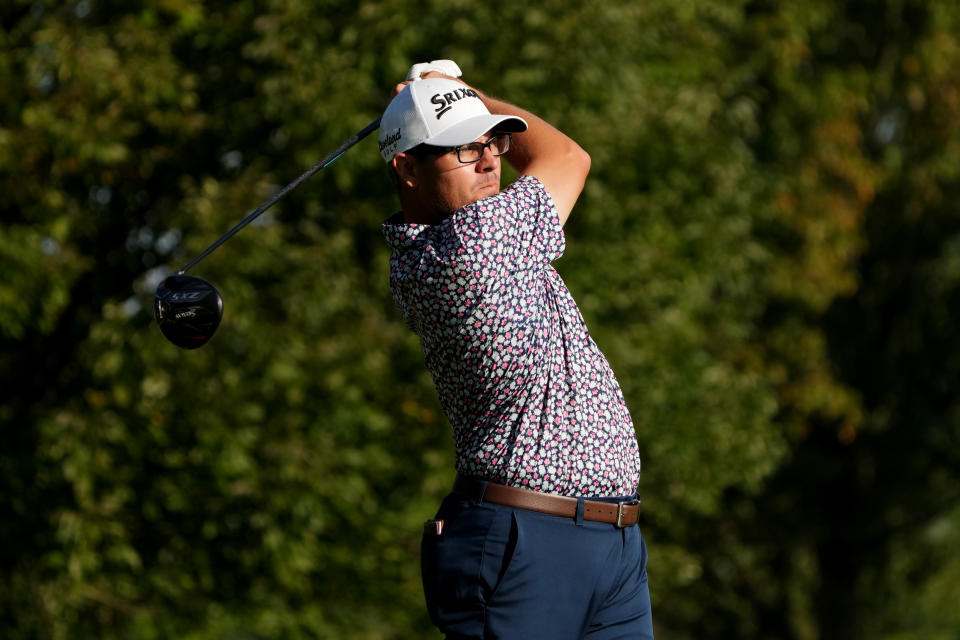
[[460, 562]]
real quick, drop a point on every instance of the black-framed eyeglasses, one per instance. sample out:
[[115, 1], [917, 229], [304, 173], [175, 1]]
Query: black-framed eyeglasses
[[499, 144]]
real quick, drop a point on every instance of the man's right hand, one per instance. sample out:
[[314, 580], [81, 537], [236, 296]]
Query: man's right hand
[[435, 69], [430, 74], [445, 67]]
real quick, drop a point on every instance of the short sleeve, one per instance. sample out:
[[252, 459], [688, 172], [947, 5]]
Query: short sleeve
[[523, 221]]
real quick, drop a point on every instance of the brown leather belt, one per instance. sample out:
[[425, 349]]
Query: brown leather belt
[[619, 514]]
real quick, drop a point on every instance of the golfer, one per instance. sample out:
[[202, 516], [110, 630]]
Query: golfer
[[538, 537]]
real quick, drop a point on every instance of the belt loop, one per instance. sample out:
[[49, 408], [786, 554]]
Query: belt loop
[[579, 517], [483, 490]]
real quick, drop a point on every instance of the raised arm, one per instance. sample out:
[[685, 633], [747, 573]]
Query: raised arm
[[546, 153]]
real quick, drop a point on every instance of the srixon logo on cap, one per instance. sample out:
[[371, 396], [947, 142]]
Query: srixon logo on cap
[[444, 101]]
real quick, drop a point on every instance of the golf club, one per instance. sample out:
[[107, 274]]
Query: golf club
[[188, 309]]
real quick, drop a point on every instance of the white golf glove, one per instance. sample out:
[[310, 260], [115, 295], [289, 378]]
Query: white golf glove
[[446, 67]]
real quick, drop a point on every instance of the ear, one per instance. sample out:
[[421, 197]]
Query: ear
[[407, 168]]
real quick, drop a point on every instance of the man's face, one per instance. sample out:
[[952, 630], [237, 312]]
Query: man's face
[[447, 184]]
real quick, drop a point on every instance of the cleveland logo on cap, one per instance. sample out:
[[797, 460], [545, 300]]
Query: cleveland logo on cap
[[445, 101], [390, 140]]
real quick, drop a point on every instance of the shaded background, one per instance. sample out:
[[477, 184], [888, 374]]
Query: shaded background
[[768, 251]]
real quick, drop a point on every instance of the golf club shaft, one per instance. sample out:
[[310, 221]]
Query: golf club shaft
[[250, 217]]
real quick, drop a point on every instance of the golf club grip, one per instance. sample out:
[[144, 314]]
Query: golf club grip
[[250, 217]]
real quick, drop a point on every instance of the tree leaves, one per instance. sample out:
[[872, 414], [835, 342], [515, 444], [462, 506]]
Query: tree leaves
[[765, 250]]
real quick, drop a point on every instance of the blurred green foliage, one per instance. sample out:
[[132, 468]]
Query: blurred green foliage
[[768, 251]]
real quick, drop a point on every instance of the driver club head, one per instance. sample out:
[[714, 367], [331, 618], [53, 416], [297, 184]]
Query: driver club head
[[188, 310]]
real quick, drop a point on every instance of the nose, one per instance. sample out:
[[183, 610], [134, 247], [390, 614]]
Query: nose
[[488, 161]]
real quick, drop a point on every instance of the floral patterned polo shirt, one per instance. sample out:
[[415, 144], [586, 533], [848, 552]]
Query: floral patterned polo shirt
[[532, 401]]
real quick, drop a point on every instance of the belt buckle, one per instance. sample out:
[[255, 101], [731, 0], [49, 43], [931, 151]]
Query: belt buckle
[[620, 505]]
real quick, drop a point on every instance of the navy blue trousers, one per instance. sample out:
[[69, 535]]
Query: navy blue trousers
[[496, 572]]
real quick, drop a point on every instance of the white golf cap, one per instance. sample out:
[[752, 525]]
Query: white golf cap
[[438, 112]]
